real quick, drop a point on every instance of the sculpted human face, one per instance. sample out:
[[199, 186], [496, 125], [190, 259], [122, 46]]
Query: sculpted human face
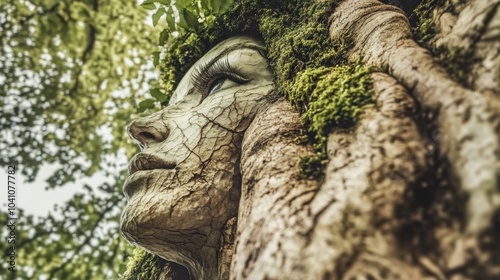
[[184, 184]]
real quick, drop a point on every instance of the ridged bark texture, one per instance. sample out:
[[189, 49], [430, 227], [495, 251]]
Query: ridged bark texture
[[412, 192]]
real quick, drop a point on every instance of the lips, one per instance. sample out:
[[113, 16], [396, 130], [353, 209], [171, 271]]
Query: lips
[[143, 161]]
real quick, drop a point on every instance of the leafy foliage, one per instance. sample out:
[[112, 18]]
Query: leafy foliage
[[184, 19], [70, 74], [81, 241]]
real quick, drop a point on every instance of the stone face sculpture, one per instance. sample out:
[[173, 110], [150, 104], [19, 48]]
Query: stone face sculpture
[[184, 185]]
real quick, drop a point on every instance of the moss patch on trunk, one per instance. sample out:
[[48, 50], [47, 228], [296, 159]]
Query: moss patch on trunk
[[142, 265], [335, 99], [426, 28]]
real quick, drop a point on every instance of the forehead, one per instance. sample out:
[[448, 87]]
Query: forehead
[[219, 51], [233, 43]]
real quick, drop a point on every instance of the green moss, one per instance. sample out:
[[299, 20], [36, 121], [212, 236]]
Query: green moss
[[143, 265], [181, 53], [311, 70], [425, 30], [312, 166], [455, 61], [337, 98], [333, 97]]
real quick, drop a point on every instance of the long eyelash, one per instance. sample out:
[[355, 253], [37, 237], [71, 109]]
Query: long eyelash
[[204, 75]]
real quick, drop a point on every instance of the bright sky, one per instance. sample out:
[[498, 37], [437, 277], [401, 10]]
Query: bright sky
[[35, 200]]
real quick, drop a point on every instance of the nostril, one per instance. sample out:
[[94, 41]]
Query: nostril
[[147, 136], [148, 131]]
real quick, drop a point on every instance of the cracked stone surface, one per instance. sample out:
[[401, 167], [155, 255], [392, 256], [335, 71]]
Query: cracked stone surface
[[185, 183]]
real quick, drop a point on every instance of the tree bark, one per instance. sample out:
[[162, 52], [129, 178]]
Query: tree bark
[[412, 192]]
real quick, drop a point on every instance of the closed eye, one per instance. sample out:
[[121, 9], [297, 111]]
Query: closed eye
[[225, 83], [209, 79], [219, 84]]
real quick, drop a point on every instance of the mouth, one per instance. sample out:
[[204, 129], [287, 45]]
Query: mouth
[[143, 161], [142, 168]]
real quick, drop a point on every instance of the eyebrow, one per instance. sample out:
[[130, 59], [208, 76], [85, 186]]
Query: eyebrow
[[204, 67]]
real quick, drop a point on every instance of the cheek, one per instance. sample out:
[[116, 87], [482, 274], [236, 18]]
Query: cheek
[[169, 205], [234, 108], [197, 135]]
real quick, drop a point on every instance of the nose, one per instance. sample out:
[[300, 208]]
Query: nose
[[148, 130]]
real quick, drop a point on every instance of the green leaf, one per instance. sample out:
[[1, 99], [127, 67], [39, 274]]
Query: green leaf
[[221, 6], [146, 104], [156, 58], [156, 16], [206, 5], [188, 20], [148, 5], [192, 19], [164, 2], [182, 21], [171, 20], [163, 37], [157, 94], [72, 103], [182, 3]]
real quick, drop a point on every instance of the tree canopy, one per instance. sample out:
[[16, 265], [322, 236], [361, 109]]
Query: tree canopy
[[71, 75], [71, 72]]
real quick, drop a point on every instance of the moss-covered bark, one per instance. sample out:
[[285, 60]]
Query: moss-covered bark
[[145, 266]]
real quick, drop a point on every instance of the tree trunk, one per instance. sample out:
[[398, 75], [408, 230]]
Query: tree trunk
[[412, 192]]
